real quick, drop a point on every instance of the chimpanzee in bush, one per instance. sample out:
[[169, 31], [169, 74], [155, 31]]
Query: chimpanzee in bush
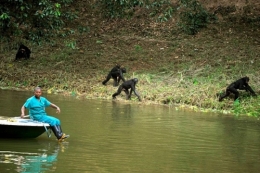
[[125, 86], [117, 74], [23, 52], [241, 84]]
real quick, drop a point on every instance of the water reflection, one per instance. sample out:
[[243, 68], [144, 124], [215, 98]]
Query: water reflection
[[29, 156], [111, 136], [121, 111]]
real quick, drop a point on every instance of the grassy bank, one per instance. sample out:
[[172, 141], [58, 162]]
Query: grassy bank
[[173, 69]]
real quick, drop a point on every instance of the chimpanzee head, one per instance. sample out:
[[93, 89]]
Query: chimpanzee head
[[246, 79], [123, 70], [118, 65], [22, 51], [135, 80]]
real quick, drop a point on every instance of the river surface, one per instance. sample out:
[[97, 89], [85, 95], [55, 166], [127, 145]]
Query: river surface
[[114, 137]]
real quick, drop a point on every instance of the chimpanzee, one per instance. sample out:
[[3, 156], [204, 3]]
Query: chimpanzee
[[23, 52], [241, 84], [117, 74], [125, 86]]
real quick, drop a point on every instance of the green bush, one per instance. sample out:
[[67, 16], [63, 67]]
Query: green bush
[[163, 9], [125, 8], [118, 8], [33, 20], [193, 16]]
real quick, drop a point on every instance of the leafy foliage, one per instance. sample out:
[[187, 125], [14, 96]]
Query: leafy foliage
[[33, 19], [162, 8], [193, 16], [125, 8], [118, 8]]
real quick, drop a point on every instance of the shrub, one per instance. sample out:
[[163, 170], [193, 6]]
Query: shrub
[[193, 16], [118, 8], [33, 19]]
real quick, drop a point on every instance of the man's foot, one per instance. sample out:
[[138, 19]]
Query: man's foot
[[64, 136]]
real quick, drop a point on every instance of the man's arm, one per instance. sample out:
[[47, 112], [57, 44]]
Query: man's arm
[[55, 107], [22, 112]]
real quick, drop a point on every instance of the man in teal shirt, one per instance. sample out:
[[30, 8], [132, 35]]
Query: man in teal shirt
[[36, 105]]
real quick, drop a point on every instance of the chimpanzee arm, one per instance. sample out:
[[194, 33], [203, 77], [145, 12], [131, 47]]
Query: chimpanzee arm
[[131, 90], [136, 93], [248, 88], [121, 76], [242, 85], [17, 55], [28, 50]]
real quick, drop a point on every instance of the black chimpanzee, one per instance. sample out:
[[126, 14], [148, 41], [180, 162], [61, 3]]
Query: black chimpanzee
[[241, 84], [130, 84], [117, 74], [23, 52]]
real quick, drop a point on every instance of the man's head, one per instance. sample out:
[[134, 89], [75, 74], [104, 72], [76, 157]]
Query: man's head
[[37, 92]]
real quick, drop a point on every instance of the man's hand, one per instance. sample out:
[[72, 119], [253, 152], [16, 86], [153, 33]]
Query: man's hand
[[58, 110]]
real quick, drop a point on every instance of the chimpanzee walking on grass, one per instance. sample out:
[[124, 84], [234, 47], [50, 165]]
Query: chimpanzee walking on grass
[[130, 84], [23, 52], [241, 84], [117, 74]]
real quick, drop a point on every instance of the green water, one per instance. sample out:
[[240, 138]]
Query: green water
[[109, 136]]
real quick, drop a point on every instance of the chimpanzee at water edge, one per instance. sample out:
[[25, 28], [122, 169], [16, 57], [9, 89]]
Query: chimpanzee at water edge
[[117, 74], [125, 86], [240, 84]]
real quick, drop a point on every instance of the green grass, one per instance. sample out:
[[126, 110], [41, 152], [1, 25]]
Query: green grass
[[176, 70]]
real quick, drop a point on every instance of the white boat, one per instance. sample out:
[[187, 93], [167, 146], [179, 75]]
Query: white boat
[[22, 128]]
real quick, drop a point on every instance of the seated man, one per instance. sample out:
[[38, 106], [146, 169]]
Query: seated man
[[117, 74], [241, 84], [36, 105], [130, 84]]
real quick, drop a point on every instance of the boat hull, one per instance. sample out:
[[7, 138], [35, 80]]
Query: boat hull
[[21, 128]]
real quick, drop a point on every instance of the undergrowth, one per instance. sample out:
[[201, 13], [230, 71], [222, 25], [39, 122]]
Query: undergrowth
[[173, 69]]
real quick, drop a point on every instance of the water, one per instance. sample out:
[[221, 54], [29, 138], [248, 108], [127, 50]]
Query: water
[[109, 136]]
